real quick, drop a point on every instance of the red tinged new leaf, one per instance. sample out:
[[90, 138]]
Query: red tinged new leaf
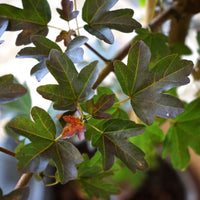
[[65, 36], [76, 126], [67, 12]]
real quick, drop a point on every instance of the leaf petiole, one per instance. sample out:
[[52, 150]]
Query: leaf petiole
[[121, 101], [60, 136], [95, 128]]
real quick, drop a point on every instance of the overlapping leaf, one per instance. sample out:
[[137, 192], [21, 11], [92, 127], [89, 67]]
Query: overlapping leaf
[[184, 132], [94, 181], [35, 156], [3, 27], [100, 20], [73, 87], [9, 90], [146, 87], [97, 109], [67, 12], [148, 140], [157, 43], [21, 106], [32, 19], [113, 141], [18, 194], [40, 52]]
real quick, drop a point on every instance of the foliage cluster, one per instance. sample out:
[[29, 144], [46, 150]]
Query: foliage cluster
[[153, 68]]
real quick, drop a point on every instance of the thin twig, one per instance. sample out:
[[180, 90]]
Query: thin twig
[[97, 53], [119, 102], [8, 152], [156, 22], [50, 26], [24, 179], [75, 7]]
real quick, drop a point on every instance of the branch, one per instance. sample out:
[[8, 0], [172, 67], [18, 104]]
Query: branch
[[8, 152], [156, 22], [24, 179]]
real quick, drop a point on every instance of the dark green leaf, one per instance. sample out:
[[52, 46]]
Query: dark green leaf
[[35, 156], [148, 140], [21, 106], [198, 40], [157, 43], [40, 52], [92, 179], [180, 49], [146, 87], [97, 109], [32, 19], [9, 90], [100, 20], [3, 27], [113, 140], [18, 194], [67, 12], [73, 87], [184, 132]]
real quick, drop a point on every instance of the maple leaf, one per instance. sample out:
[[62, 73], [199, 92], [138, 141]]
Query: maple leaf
[[73, 87], [32, 19], [146, 87], [35, 156], [40, 52], [76, 126], [66, 36], [67, 12], [112, 140], [9, 90], [183, 133], [100, 20], [97, 109]]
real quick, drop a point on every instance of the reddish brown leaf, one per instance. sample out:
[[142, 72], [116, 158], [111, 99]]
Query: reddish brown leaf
[[66, 36]]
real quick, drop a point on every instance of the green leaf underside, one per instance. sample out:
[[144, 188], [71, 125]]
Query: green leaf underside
[[40, 52], [18, 194], [146, 87], [113, 141], [73, 88], [93, 180], [100, 20], [9, 90], [184, 132], [32, 19], [35, 156]]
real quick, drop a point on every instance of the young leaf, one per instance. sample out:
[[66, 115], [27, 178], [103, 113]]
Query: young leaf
[[40, 52], [97, 109], [35, 156], [18, 194], [184, 132], [113, 141], [100, 20], [9, 90], [146, 87], [3, 27], [32, 19], [73, 87], [67, 12], [65, 36], [146, 141], [94, 181]]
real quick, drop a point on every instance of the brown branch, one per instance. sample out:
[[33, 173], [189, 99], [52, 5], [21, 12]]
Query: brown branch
[[24, 179], [156, 22], [8, 152]]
